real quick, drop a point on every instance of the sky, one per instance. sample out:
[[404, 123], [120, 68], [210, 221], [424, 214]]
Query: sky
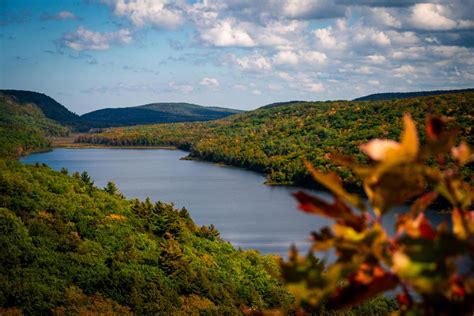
[[91, 54]]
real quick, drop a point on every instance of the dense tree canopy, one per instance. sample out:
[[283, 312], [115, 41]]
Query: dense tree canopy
[[24, 128], [65, 243], [274, 140]]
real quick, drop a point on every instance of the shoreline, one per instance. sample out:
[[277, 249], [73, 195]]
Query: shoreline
[[68, 142]]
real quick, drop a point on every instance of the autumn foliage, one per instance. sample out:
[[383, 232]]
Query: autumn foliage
[[431, 268]]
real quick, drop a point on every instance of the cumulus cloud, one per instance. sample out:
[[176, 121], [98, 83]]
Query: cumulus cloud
[[209, 82], [227, 33], [430, 16], [254, 62], [325, 37], [84, 39], [157, 13], [376, 59], [294, 58], [311, 44]]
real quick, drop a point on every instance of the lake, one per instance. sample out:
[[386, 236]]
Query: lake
[[248, 213]]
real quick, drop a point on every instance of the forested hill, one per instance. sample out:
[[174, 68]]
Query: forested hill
[[404, 95], [155, 113], [69, 248], [272, 105], [50, 107], [24, 128], [274, 140]]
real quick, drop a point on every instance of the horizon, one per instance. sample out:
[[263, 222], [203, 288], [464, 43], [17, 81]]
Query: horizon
[[90, 55]]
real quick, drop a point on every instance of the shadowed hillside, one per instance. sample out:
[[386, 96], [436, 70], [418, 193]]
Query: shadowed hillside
[[404, 95], [155, 113]]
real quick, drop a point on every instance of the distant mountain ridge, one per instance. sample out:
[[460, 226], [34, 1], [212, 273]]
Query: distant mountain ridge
[[275, 104], [152, 113], [165, 112], [405, 95]]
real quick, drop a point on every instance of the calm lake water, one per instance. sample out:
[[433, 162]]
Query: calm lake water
[[248, 213]]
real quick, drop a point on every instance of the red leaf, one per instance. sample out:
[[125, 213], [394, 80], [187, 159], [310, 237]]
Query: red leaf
[[403, 299], [337, 210], [434, 127], [357, 292]]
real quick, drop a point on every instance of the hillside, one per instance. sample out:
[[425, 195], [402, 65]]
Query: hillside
[[405, 95], [50, 107], [272, 105], [71, 248], [24, 128], [155, 113], [275, 140]]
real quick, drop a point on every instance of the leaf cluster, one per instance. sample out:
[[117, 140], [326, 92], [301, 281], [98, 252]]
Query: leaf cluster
[[431, 267]]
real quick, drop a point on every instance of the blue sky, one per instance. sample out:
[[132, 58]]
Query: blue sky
[[93, 54]]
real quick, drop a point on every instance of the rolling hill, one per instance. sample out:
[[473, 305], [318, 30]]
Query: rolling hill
[[274, 140], [155, 113], [24, 127], [50, 107], [405, 95]]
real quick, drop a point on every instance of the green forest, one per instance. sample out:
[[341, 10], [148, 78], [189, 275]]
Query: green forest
[[71, 248], [24, 128], [273, 140]]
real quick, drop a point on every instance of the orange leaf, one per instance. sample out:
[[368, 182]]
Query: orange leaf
[[409, 140]]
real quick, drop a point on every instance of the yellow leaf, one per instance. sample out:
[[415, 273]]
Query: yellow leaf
[[332, 183], [410, 142]]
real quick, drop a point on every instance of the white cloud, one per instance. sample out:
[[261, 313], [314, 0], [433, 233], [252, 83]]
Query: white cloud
[[294, 58], [158, 13], [430, 16], [405, 70], [286, 57], [376, 59], [209, 82], [227, 33], [84, 39], [254, 62], [325, 38], [383, 17], [366, 70], [372, 36], [313, 87]]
